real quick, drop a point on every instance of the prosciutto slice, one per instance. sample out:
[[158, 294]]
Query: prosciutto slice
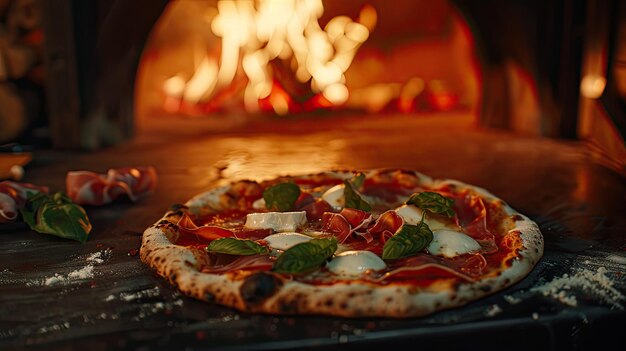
[[349, 221], [425, 267], [252, 262], [314, 209], [471, 215], [89, 188], [204, 234], [13, 197], [336, 224], [207, 232], [386, 225], [356, 218]]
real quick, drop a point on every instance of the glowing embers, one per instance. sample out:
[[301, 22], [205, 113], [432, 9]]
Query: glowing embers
[[275, 57]]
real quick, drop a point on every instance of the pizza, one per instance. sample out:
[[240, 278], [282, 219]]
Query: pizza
[[388, 243]]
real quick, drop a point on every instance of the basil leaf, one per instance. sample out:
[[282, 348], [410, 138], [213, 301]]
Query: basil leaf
[[305, 257], [56, 215], [407, 241], [433, 202], [234, 246], [353, 199], [357, 180], [281, 197]]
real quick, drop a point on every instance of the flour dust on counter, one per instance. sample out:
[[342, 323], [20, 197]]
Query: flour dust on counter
[[593, 277], [76, 270], [148, 300]]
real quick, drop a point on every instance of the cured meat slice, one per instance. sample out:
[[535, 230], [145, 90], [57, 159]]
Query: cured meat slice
[[356, 218], [336, 224], [208, 232], [467, 267], [314, 209], [89, 188], [386, 225], [252, 262], [471, 215], [13, 196], [195, 235]]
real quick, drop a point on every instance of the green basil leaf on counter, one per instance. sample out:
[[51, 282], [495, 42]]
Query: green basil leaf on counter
[[305, 257], [407, 241], [281, 197], [433, 202], [234, 246], [353, 199], [57, 215]]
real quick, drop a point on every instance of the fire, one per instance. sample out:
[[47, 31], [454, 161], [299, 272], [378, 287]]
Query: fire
[[255, 33]]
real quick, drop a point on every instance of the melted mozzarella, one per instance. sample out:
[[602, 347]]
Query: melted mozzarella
[[450, 243], [259, 204], [412, 214], [283, 241], [355, 262], [277, 221], [334, 196]]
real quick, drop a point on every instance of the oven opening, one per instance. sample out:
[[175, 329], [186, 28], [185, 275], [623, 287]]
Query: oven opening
[[232, 63]]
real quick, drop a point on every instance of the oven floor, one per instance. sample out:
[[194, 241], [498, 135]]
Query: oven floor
[[578, 204]]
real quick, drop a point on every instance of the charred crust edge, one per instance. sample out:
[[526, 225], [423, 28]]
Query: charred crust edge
[[258, 287]]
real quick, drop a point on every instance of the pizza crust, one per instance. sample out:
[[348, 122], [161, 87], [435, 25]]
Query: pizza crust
[[266, 292]]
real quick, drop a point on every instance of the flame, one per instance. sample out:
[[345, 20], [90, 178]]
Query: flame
[[202, 82], [592, 86], [412, 89], [254, 33]]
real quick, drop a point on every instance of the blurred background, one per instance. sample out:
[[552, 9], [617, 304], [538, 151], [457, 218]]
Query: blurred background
[[84, 75]]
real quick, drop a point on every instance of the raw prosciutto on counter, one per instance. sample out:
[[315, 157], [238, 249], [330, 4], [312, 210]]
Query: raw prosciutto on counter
[[89, 188], [13, 197]]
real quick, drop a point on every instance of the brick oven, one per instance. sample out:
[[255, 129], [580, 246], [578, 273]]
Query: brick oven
[[84, 76]]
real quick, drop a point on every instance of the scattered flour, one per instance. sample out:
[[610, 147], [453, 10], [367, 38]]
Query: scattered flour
[[617, 259], [142, 301], [96, 257], [55, 279], [595, 283], [53, 327], [153, 292], [85, 272], [512, 299], [149, 309], [493, 310]]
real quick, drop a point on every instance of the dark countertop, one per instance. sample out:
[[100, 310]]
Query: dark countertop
[[121, 304]]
